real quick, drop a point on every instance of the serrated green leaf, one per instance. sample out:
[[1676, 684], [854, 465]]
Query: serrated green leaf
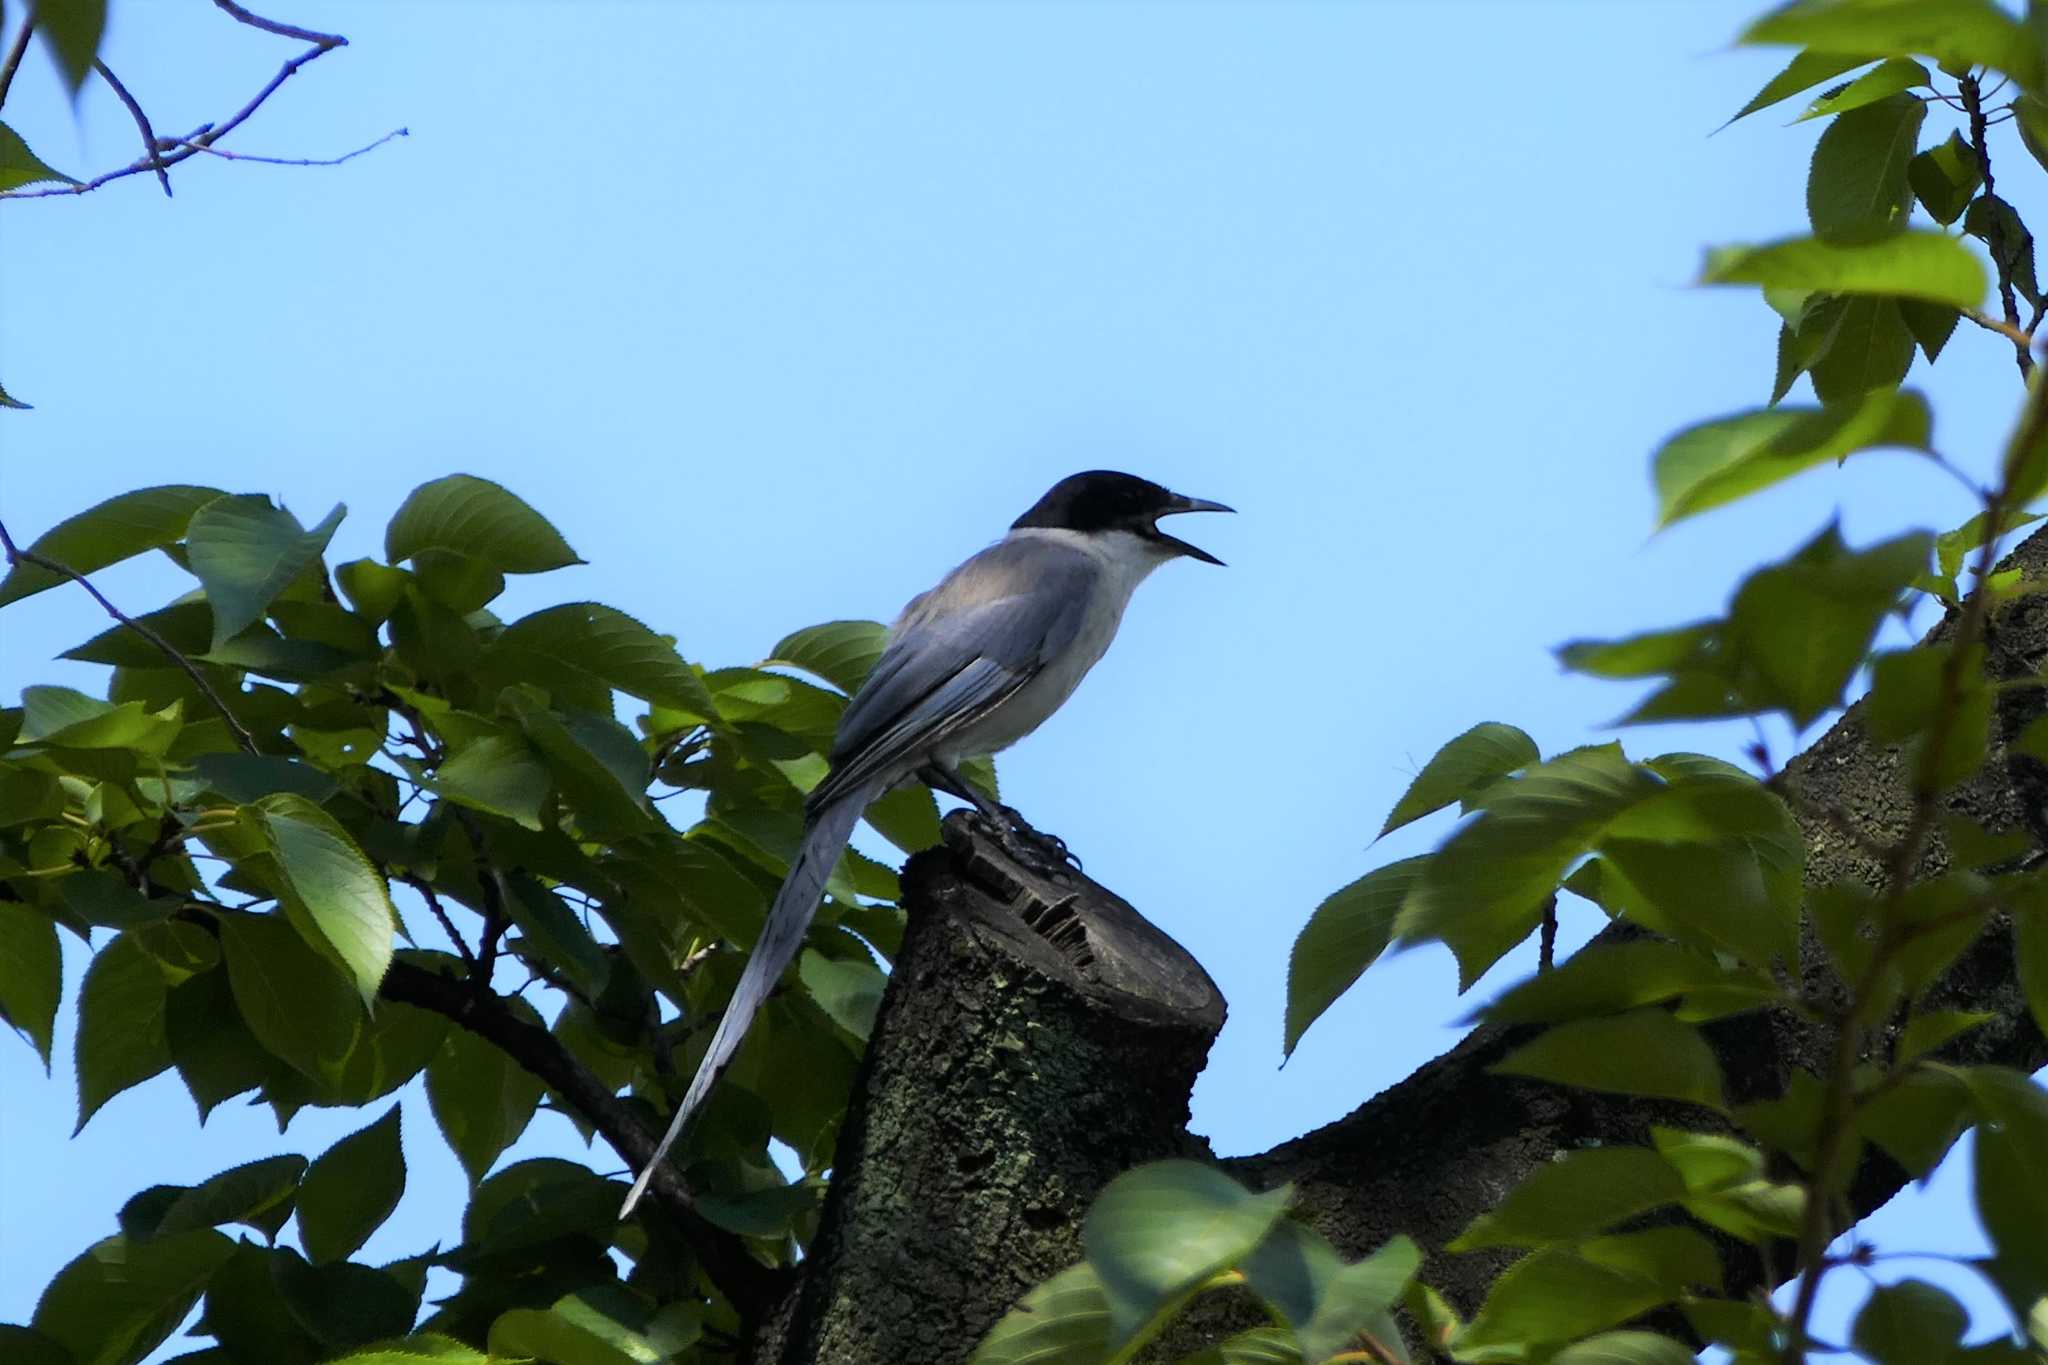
[[1326, 1302], [1914, 265], [1066, 1319], [1577, 1194], [1608, 978], [1999, 226], [1944, 178], [1931, 325], [1807, 70], [1645, 1052], [499, 774], [1484, 890], [108, 533], [19, 166], [31, 974], [1555, 1296], [120, 1299], [843, 653], [1259, 1346], [296, 1001], [120, 1024], [351, 1190], [427, 1346], [603, 1325], [257, 1194], [345, 1304], [1888, 78], [1856, 188], [1626, 1348], [344, 895], [549, 928], [1157, 1232], [1344, 936], [245, 551], [216, 1055], [481, 1098], [64, 718], [1464, 767], [2011, 1165], [1717, 462], [1956, 33], [1869, 350], [475, 517], [610, 646]]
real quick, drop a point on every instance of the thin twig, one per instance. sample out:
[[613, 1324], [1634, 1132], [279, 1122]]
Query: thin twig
[[14, 54], [289, 160], [16, 556], [496, 921], [1973, 105], [150, 147], [162, 155], [1546, 953], [433, 900], [2011, 331]]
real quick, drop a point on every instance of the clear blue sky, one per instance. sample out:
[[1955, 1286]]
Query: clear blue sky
[[780, 311]]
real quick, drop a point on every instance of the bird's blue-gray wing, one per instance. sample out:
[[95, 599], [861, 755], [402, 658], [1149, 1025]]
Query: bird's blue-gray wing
[[959, 651]]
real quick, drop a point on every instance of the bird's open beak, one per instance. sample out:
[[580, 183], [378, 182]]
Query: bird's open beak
[[1180, 505]]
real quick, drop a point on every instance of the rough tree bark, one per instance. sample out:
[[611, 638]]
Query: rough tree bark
[[1037, 1039]]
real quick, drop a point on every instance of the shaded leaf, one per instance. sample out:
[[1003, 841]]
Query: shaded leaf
[[19, 166], [258, 1194], [119, 1299], [120, 1024], [481, 1098], [1856, 189], [245, 551], [1868, 351], [602, 1325], [1945, 178], [117, 529], [295, 1001], [31, 974], [71, 30], [1889, 78], [351, 1190], [1464, 767], [1807, 70], [1344, 936], [1066, 1319], [1909, 1323], [612, 647], [1575, 1195], [1645, 1052]]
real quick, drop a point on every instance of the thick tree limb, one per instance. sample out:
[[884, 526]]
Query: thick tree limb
[[1003, 1086], [752, 1286]]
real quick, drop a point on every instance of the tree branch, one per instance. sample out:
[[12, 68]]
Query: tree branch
[[2022, 342], [16, 555], [162, 153], [149, 141], [752, 1287], [12, 63]]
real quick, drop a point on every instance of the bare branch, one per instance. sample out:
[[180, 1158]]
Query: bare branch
[[163, 153], [1973, 104], [150, 148], [291, 160], [170, 651], [14, 54]]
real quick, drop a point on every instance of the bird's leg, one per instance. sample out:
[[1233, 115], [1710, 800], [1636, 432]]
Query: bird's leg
[[1016, 834]]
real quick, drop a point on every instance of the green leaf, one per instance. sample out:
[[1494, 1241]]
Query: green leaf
[[482, 1099], [1575, 1195], [31, 974], [1869, 350], [1925, 1033], [1945, 178], [23, 1346], [1996, 223], [116, 529], [1608, 978], [1556, 1296], [498, 774], [598, 767], [428, 1346], [1484, 890], [1807, 70], [346, 898], [1066, 1319], [1931, 325], [2011, 1166], [351, 1190], [345, 1304], [295, 1001], [907, 817], [71, 30], [612, 647], [19, 166], [1805, 624], [1157, 1232], [1956, 33], [1344, 936], [1645, 1052], [8, 400], [606, 1324], [258, 1194], [550, 929], [373, 589], [1464, 767], [475, 517], [1909, 1323], [841, 652], [2030, 948], [1325, 1301], [120, 1024], [1914, 265], [245, 551], [1259, 1346], [62, 718], [120, 1298], [1717, 462], [1856, 189], [1626, 1348], [848, 990], [1890, 78]]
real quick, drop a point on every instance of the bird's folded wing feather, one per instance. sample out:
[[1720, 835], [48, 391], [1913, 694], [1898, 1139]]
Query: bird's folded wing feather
[[959, 651]]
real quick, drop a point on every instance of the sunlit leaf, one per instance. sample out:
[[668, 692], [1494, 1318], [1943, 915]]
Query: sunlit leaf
[[1645, 1052], [1718, 462], [1464, 767], [117, 529], [19, 166], [1344, 936], [475, 517], [1914, 265]]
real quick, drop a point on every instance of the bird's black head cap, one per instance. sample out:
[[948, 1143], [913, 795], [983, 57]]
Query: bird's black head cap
[[1107, 500]]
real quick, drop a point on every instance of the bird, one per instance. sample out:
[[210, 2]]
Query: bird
[[969, 668]]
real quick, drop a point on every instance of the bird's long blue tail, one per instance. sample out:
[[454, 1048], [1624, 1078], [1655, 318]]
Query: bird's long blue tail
[[825, 835]]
